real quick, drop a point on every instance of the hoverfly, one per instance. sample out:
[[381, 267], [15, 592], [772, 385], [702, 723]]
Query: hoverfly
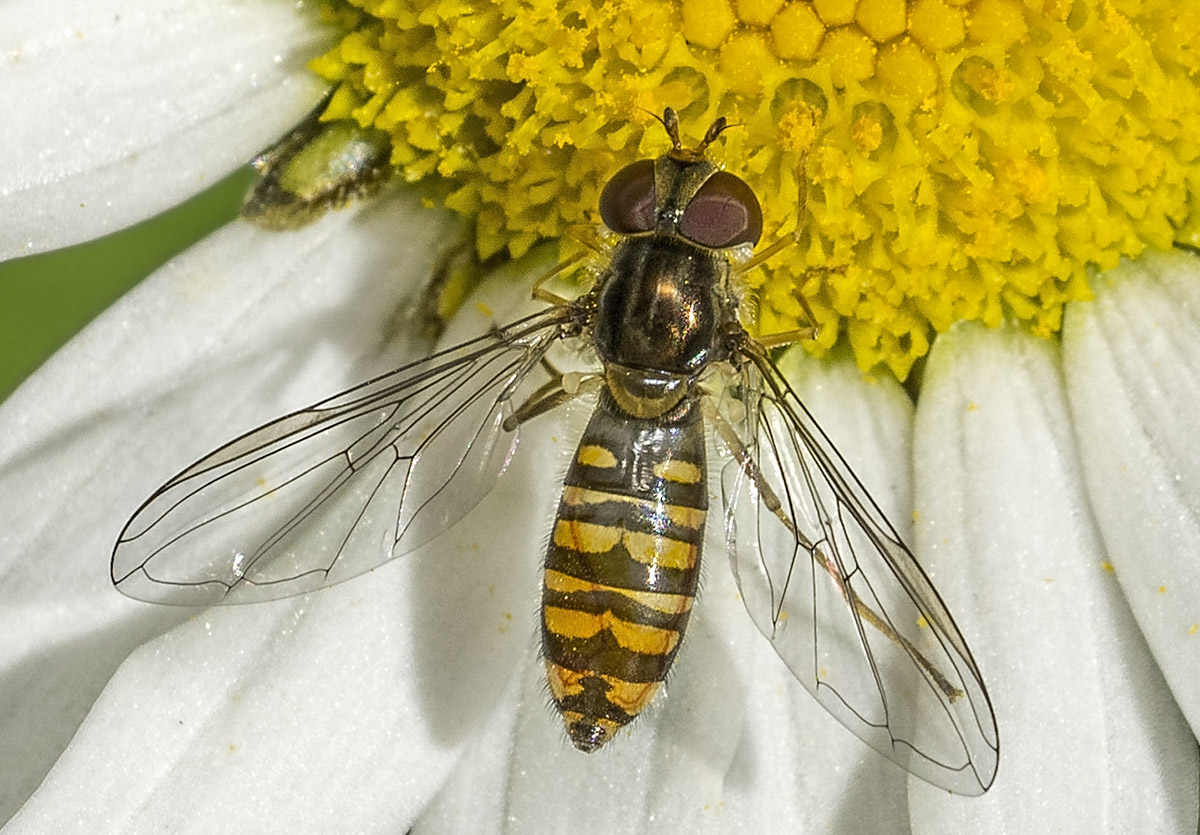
[[331, 491]]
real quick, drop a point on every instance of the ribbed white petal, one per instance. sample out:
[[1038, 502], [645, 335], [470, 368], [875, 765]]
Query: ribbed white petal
[[246, 326], [114, 110], [340, 711], [736, 744], [1132, 362], [816, 772], [1090, 738]]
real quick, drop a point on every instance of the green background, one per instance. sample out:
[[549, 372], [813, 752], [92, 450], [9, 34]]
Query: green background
[[46, 299]]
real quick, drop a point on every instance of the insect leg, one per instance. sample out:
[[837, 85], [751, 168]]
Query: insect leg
[[585, 234], [778, 246], [587, 238], [777, 340], [811, 331], [770, 499], [554, 393], [774, 248], [541, 294], [746, 461]]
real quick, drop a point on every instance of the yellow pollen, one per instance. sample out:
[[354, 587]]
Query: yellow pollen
[[798, 129], [882, 20], [936, 26], [796, 32], [834, 12], [867, 134], [849, 54], [707, 22], [758, 12], [963, 159]]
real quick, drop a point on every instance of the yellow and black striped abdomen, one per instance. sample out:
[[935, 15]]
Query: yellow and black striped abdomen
[[622, 567]]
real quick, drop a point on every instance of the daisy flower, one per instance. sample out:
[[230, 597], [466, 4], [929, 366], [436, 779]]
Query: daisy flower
[[1001, 202]]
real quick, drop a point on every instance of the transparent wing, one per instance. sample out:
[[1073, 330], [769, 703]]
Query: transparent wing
[[841, 598], [331, 491]]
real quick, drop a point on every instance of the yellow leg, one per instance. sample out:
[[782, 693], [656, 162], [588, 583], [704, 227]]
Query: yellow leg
[[775, 340], [775, 247], [585, 236], [543, 295], [554, 393]]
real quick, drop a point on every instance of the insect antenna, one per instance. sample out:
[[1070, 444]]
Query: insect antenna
[[670, 122]]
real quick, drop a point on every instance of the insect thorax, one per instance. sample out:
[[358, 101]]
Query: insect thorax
[[658, 320]]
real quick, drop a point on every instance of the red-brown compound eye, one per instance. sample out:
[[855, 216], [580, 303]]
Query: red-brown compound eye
[[723, 213], [627, 202]]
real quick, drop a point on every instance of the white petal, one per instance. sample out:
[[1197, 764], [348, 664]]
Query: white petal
[[670, 770], [244, 327], [1090, 738], [115, 111], [1132, 363], [340, 711], [736, 744], [849, 787]]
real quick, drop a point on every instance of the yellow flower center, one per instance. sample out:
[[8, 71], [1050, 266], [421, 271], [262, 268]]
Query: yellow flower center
[[964, 159]]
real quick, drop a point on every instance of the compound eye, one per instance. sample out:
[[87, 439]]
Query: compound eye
[[627, 202], [723, 213]]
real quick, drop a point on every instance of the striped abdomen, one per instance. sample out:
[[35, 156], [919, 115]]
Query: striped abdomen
[[622, 566]]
